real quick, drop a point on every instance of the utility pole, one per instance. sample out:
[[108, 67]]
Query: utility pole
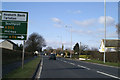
[[80, 49], [71, 42], [23, 54], [105, 28]]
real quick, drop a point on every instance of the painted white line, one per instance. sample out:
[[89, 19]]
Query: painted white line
[[65, 61], [83, 67], [108, 74], [39, 74], [72, 63]]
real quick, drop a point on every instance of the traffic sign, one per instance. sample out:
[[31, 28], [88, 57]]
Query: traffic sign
[[13, 25], [13, 37]]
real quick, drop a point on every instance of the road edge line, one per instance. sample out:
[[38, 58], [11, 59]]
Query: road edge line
[[39, 70], [108, 75]]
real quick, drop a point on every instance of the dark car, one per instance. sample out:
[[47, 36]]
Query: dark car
[[52, 56]]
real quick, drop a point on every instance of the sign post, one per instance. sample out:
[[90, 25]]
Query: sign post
[[13, 26], [23, 55]]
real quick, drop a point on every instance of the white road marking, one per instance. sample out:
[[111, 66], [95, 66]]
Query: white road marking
[[39, 74], [65, 61], [83, 67], [72, 63], [107, 74]]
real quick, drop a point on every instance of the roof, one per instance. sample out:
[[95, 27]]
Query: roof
[[112, 42], [10, 42]]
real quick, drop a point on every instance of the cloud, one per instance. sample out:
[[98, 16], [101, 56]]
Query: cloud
[[85, 23], [74, 12], [57, 25], [110, 21], [58, 44], [77, 12], [82, 31], [56, 20]]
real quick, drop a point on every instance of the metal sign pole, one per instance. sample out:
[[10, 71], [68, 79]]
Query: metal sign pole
[[23, 55], [105, 28]]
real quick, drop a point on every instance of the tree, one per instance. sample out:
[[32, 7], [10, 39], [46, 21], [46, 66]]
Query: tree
[[35, 42], [62, 47], [94, 49], [76, 48], [118, 30], [84, 47], [49, 50]]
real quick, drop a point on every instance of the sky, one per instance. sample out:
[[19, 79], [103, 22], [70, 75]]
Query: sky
[[56, 21]]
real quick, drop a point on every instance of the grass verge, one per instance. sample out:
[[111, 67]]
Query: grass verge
[[26, 72], [106, 63]]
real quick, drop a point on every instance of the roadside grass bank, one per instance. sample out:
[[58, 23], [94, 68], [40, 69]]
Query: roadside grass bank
[[27, 72], [101, 62]]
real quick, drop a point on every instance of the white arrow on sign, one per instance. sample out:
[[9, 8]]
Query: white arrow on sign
[[1, 26], [20, 37]]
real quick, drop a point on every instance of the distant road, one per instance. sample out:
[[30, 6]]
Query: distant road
[[64, 68]]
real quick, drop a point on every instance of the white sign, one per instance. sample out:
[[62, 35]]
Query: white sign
[[11, 16]]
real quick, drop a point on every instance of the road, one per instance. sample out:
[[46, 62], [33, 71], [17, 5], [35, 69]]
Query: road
[[65, 68]]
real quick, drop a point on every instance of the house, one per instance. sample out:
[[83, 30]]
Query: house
[[7, 44], [111, 45]]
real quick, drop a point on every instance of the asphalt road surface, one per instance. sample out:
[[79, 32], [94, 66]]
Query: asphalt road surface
[[65, 68]]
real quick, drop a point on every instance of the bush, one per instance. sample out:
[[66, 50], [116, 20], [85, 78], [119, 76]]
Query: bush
[[110, 56]]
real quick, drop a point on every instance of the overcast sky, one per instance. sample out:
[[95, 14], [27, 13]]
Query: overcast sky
[[86, 19]]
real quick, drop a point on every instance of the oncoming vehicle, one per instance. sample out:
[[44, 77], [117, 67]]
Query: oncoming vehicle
[[52, 56]]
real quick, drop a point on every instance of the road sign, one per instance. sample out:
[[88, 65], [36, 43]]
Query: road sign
[[13, 25], [13, 37]]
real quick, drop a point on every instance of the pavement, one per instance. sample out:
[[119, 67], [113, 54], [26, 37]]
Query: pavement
[[65, 68], [10, 67]]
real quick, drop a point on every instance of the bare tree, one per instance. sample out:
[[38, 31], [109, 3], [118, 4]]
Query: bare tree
[[118, 30], [35, 42], [94, 49], [49, 50], [84, 47]]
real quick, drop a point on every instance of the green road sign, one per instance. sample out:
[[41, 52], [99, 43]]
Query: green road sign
[[13, 25], [13, 37]]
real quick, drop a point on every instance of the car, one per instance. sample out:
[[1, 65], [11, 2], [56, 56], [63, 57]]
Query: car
[[52, 56]]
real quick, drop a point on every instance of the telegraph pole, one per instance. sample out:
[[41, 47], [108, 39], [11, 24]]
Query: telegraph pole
[[105, 28], [80, 49], [71, 42]]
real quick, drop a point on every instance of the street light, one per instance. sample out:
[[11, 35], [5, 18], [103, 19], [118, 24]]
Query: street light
[[71, 36], [105, 28], [60, 39]]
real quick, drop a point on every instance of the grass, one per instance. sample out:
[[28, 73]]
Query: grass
[[26, 72], [101, 62], [84, 56]]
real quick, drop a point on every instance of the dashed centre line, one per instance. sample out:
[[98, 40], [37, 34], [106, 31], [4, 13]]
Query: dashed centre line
[[90, 69]]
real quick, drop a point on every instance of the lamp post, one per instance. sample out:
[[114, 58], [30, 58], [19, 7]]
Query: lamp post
[[60, 38], [105, 28], [71, 38]]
